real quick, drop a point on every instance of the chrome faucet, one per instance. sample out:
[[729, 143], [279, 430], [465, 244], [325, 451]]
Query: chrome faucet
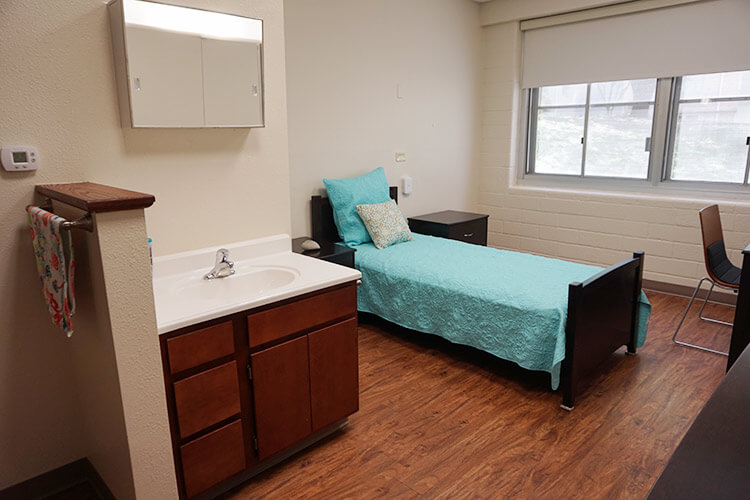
[[223, 266]]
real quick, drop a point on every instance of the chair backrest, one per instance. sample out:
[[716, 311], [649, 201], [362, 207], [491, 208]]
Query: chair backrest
[[714, 252], [711, 225]]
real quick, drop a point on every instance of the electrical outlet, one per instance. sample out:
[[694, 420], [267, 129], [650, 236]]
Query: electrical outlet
[[406, 184]]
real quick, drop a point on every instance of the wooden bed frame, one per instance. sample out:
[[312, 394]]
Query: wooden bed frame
[[602, 311]]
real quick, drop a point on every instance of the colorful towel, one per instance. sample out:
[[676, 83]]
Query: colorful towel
[[53, 249]]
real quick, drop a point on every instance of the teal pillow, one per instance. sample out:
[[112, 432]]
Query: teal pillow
[[385, 223], [346, 194]]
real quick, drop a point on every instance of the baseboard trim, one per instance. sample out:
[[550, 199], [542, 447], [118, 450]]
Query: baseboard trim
[[718, 296], [57, 481]]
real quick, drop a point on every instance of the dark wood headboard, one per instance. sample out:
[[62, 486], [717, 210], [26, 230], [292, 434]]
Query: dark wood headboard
[[323, 226]]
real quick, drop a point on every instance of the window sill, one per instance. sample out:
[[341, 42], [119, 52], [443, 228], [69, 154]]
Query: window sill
[[678, 190]]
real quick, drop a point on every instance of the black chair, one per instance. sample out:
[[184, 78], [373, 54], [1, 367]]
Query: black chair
[[721, 272]]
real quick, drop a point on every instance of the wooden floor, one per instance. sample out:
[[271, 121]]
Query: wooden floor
[[443, 421]]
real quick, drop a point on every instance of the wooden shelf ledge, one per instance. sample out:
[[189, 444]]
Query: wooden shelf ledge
[[93, 197]]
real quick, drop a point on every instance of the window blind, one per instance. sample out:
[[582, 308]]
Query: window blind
[[702, 37]]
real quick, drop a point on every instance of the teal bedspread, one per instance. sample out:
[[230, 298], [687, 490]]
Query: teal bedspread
[[509, 304]]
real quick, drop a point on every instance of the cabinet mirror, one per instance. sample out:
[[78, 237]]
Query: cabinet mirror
[[181, 67]]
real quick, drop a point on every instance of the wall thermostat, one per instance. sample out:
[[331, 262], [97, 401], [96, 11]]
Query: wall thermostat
[[19, 158]]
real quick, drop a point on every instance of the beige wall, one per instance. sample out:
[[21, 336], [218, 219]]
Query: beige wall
[[128, 288], [212, 186], [97, 381], [344, 61], [594, 226]]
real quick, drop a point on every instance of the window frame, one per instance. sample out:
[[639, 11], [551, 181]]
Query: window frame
[[670, 145], [533, 113], [666, 103]]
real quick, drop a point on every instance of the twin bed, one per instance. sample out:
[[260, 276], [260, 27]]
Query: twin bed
[[544, 314]]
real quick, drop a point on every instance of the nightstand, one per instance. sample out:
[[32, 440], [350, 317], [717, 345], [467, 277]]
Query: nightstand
[[338, 253], [454, 225]]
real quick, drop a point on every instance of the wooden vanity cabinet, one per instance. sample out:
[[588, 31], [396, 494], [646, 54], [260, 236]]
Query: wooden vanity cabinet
[[247, 390], [304, 385], [210, 433], [304, 367]]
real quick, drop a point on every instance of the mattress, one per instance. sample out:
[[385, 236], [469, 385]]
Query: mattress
[[510, 304]]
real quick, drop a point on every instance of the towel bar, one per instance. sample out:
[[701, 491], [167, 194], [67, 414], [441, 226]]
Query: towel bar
[[84, 222]]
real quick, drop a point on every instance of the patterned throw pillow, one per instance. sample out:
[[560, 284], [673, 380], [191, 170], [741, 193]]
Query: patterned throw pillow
[[385, 223]]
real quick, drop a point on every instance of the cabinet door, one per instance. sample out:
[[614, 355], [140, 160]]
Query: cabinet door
[[281, 390], [166, 83], [334, 373], [231, 83]]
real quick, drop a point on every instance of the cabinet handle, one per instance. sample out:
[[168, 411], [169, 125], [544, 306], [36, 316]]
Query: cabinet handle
[[468, 235], [359, 282]]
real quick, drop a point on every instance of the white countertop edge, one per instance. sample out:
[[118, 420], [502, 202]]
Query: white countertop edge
[[170, 326], [315, 274]]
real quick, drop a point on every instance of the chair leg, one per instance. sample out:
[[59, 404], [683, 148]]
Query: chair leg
[[712, 320], [684, 314]]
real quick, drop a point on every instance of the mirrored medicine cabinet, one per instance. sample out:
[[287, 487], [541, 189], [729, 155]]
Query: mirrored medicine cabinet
[[178, 67]]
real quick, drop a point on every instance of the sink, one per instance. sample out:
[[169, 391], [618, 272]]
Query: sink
[[191, 292], [246, 284], [266, 271]]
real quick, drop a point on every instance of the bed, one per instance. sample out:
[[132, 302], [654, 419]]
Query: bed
[[544, 314]]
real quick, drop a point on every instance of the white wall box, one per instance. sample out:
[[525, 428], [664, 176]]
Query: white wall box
[[178, 67]]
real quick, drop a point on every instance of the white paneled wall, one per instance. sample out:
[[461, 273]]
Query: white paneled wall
[[593, 227]]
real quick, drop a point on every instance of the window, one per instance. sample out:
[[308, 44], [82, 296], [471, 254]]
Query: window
[[711, 125], [692, 128], [592, 130]]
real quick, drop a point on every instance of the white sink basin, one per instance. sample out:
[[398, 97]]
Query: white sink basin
[[250, 283], [266, 271]]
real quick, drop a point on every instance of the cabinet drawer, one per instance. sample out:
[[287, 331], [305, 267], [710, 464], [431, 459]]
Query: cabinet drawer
[[212, 458], [334, 373], [207, 398], [471, 232], [284, 320], [201, 346]]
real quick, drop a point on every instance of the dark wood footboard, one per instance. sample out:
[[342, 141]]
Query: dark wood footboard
[[602, 316]]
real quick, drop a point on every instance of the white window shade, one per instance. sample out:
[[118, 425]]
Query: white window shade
[[702, 37]]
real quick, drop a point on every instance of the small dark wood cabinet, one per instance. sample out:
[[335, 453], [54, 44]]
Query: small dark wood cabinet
[[452, 224], [338, 253], [741, 327], [244, 391]]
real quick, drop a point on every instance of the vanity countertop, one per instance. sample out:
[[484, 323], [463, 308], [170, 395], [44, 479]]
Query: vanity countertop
[[266, 271]]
